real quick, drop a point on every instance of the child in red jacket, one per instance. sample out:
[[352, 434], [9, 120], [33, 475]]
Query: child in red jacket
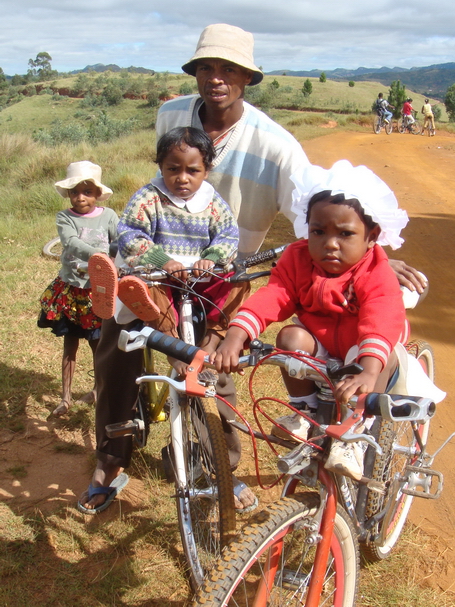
[[339, 284]]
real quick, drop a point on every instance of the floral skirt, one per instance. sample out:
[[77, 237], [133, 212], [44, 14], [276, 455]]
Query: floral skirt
[[67, 310]]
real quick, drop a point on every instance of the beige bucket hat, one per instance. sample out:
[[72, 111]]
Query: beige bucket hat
[[222, 41], [77, 172]]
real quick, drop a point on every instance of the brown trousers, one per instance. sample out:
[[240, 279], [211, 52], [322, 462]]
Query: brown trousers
[[116, 372]]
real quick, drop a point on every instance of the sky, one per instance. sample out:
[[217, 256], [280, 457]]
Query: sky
[[289, 34]]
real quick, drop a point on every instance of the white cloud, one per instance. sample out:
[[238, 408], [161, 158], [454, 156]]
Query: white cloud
[[297, 34]]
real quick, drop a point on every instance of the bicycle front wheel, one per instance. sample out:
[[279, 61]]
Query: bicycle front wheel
[[205, 506], [273, 561], [400, 449], [415, 128], [389, 127]]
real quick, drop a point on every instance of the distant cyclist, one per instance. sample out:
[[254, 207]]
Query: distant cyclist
[[407, 111], [382, 108], [427, 111]]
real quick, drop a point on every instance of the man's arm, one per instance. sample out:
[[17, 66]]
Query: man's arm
[[408, 276]]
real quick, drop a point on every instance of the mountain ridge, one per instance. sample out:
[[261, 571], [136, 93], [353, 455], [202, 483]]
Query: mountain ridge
[[432, 79]]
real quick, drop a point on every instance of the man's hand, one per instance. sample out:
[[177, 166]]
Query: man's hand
[[407, 276]]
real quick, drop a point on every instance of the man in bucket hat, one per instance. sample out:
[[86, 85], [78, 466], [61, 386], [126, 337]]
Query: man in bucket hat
[[255, 158], [254, 162]]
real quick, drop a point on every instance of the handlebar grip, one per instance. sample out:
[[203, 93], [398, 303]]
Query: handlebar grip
[[263, 256], [411, 408], [172, 346]]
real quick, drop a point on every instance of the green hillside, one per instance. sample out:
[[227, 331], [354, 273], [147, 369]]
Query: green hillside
[[33, 113]]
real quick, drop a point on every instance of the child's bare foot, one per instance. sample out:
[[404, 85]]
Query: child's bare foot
[[62, 408], [89, 398]]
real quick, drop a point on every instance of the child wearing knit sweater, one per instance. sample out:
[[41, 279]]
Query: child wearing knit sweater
[[177, 221], [338, 282]]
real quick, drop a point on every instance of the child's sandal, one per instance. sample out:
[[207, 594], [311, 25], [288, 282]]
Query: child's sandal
[[133, 292], [104, 284]]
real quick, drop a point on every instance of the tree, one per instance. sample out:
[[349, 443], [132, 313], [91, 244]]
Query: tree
[[322, 77], [307, 88], [41, 67], [449, 102], [3, 82], [397, 96]]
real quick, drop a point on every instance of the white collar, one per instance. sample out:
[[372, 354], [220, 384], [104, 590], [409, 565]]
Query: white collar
[[199, 202]]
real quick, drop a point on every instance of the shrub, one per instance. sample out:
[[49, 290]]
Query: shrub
[[351, 83], [322, 77], [113, 94], [185, 89]]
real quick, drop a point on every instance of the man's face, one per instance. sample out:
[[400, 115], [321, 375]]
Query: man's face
[[221, 83]]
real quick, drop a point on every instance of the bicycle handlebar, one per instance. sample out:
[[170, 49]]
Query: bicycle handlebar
[[156, 340]]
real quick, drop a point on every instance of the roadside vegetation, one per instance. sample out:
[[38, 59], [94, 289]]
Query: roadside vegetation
[[49, 553]]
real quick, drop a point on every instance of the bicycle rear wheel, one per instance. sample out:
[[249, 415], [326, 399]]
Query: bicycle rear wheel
[[377, 125], [205, 506], [53, 248], [399, 447], [272, 562], [401, 127]]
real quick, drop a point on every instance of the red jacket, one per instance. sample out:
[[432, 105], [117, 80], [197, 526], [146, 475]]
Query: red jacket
[[362, 306]]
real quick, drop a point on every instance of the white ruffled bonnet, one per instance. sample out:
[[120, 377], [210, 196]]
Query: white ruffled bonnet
[[376, 198]]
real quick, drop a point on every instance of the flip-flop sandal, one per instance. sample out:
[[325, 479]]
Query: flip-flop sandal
[[133, 292], [111, 492], [238, 488], [104, 284]]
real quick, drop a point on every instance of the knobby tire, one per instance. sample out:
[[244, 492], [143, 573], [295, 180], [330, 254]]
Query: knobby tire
[[390, 436], [271, 563], [206, 511]]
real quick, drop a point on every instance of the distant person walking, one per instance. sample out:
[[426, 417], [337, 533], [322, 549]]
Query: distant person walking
[[382, 108], [427, 111]]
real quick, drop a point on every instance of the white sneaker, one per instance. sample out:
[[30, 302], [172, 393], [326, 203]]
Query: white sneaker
[[346, 459], [294, 423]]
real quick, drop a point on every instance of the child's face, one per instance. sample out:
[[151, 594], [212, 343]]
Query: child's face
[[337, 237], [83, 197], [183, 171]]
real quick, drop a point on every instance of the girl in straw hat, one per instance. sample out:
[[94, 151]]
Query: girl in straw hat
[[66, 305]]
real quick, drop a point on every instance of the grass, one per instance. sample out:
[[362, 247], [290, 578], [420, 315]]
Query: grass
[[49, 553]]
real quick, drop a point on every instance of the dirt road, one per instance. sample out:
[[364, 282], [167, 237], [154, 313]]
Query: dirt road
[[421, 172]]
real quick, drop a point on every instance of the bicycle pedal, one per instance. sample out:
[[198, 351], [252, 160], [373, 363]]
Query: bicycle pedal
[[423, 482], [207, 377], [128, 428]]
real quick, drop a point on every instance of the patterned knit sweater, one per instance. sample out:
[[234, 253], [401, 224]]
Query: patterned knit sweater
[[155, 229], [252, 172]]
